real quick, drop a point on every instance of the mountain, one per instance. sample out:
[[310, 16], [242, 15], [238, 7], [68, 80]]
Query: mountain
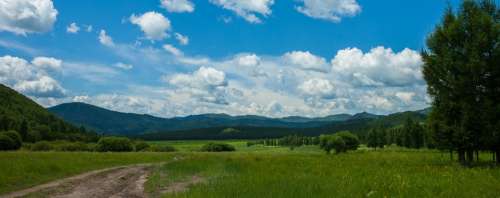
[[113, 122], [211, 126], [18, 112]]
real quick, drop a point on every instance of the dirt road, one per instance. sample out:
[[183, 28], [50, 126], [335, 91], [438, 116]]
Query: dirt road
[[114, 182]]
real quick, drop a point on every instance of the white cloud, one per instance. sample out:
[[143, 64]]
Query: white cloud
[[27, 16], [183, 40], [406, 97], [123, 66], [247, 9], [248, 60], [177, 5], [331, 10], [306, 61], [173, 50], [105, 39], [205, 84], [320, 88], [73, 28], [47, 63], [29, 78], [153, 24], [379, 67], [373, 102]]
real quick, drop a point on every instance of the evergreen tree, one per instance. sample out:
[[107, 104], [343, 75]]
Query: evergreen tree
[[461, 67]]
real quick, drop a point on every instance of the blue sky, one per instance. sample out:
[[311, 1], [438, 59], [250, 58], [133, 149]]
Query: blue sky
[[181, 57]]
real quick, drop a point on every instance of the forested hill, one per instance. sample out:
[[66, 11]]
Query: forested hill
[[32, 121], [197, 126]]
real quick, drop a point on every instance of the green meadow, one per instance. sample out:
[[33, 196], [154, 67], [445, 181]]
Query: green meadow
[[260, 171]]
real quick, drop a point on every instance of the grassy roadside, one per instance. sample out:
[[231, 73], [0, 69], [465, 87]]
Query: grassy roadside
[[19, 170]]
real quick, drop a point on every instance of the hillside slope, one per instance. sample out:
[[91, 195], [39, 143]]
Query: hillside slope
[[16, 109]]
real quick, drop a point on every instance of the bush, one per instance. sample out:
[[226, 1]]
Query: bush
[[6, 143], [351, 140], [116, 144], [165, 148], [141, 146], [338, 144], [331, 142], [72, 146], [41, 146], [217, 147], [16, 137]]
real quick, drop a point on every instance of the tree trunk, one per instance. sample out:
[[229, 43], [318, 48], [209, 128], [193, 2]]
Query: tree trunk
[[497, 157], [470, 157], [461, 157], [477, 156], [451, 155]]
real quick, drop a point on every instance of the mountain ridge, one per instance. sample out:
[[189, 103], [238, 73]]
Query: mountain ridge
[[120, 123]]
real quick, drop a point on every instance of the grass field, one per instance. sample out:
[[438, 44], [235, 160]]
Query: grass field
[[20, 170], [259, 171]]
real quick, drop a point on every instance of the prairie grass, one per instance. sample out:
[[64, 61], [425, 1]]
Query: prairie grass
[[357, 174]]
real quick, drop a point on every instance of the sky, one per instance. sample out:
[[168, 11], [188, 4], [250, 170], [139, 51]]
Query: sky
[[172, 58]]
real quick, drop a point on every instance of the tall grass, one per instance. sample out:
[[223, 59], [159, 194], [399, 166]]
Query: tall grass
[[359, 174]]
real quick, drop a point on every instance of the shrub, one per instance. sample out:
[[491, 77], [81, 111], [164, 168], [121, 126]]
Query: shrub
[[116, 144], [165, 148], [217, 147], [351, 140], [41, 146], [141, 146], [72, 146], [338, 144], [16, 137], [6, 143], [331, 142]]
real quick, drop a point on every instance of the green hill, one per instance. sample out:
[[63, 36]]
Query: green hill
[[32, 121]]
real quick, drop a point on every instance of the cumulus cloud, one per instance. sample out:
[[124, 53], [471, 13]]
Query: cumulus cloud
[[105, 39], [248, 9], [248, 60], [183, 40], [27, 16], [306, 61], [205, 84], [331, 10], [47, 63], [177, 5], [379, 67], [173, 50], [153, 24], [406, 97], [73, 28], [31, 79], [123, 66], [320, 88]]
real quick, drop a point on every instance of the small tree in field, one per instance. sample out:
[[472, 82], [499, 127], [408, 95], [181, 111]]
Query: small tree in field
[[351, 140], [332, 142]]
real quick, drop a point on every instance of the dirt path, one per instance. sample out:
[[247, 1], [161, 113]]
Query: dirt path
[[125, 181]]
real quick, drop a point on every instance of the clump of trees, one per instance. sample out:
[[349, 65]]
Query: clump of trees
[[410, 135], [462, 71], [115, 144], [217, 147], [292, 141], [340, 142], [10, 140]]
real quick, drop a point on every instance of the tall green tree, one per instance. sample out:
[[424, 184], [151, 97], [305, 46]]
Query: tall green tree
[[461, 67]]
